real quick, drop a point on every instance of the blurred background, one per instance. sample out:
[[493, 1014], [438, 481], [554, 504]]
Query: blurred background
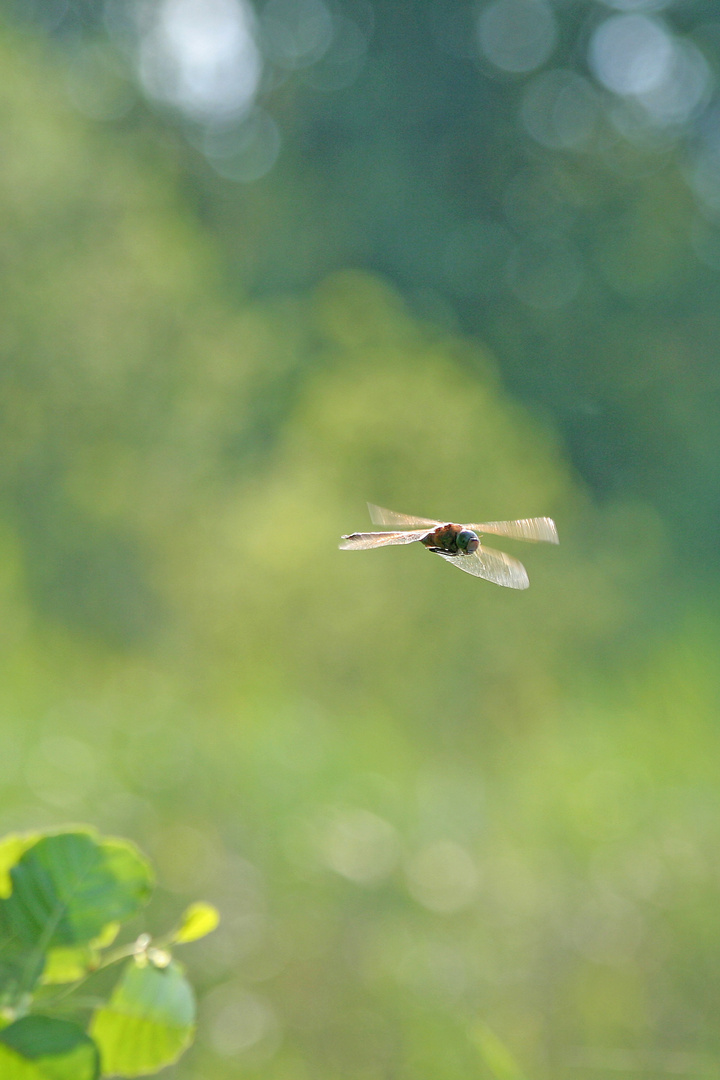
[[265, 261]]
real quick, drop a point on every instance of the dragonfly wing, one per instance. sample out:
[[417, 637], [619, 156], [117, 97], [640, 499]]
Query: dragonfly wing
[[533, 529], [380, 516], [360, 541], [492, 565]]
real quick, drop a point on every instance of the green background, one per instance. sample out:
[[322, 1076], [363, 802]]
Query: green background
[[427, 808]]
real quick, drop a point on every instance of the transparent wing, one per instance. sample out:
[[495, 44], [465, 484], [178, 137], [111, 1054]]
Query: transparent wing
[[359, 541], [492, 565], [380, 516], [528, 529]]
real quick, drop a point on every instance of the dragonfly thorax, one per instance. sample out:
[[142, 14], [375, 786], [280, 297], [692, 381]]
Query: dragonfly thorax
[[452, 539]]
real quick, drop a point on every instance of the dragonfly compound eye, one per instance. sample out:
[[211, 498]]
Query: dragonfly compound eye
[[467, 541]]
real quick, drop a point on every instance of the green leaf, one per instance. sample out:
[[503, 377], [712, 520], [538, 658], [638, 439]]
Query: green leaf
[[66, 965], [148, 1021], [11, 848], [106, 936], [68, 886], [197, 921], [20, 969], [41, 1048], [70, 963]]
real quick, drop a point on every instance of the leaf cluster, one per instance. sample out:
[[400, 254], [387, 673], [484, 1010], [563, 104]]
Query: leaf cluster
[[64, 896]]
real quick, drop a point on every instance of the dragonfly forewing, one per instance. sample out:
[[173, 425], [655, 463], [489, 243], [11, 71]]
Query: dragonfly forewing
[[380, 516], [533, 529], [492, 565], [361, 541]]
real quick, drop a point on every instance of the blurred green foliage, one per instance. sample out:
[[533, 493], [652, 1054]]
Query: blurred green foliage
[[451, 829], [64, 898]]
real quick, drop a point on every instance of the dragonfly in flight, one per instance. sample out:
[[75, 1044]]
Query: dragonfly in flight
[[459, 545]]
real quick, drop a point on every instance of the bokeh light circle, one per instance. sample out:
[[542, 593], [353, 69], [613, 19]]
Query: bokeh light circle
[[560, 109], [631, 54], [296, 33], [517, 35], [200, 56], [243, 152]]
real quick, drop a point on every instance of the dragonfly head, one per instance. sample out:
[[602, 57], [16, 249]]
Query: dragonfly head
[[467, 541]]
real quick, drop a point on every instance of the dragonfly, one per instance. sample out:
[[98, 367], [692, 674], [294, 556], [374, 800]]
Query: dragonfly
[[460, 545]]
